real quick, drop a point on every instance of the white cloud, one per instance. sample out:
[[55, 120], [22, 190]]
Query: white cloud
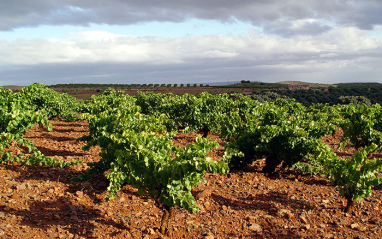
[[100, 46], [95, 36]]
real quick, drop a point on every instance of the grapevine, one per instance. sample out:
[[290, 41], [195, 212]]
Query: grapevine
[[135, 135], [137, 150], [17, 116]]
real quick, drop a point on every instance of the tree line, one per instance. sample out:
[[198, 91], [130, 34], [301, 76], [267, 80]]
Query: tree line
[[370, 93]]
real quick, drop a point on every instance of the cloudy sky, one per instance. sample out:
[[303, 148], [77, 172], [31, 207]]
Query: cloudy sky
[[189, 41]]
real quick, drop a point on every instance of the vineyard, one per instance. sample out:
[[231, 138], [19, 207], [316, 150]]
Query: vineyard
[[205, 166]]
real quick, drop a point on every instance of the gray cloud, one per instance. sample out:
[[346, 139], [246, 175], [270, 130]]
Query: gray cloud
[[290, 28], [325, 41], [193, 72], [275, 16], [253, 61]]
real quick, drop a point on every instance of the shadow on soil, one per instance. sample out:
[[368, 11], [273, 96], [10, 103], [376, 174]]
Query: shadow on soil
[[76, 219], [97, 185], [70, 130], [288, 174], [61, 153], [293, 175], [57, 138], [74, 124], [264, 202]]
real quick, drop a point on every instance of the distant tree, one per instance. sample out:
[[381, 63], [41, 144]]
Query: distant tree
[[188, 85], [175, 85], [354, 100], [266, 96], [181, 85], [331, 89]]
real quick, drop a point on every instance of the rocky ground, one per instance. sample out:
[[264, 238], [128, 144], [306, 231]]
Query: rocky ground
[[42, 202]]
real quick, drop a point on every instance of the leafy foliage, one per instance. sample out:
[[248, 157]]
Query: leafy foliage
[[135, 136], [18, 114], [150, 166], [188, 112], [136, 149], [356, 176], [55, 105], [354, 100], [361, 125], [283, 131]]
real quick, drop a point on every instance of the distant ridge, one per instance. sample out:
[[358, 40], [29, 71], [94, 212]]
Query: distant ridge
[[304, 83], [12, 87], [222, 83], [360, 83]]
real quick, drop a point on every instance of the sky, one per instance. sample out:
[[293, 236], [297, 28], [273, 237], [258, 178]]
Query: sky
[[190, 41]]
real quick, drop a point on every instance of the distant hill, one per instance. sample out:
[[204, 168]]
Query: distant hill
[[305, 83], [12, 87]]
